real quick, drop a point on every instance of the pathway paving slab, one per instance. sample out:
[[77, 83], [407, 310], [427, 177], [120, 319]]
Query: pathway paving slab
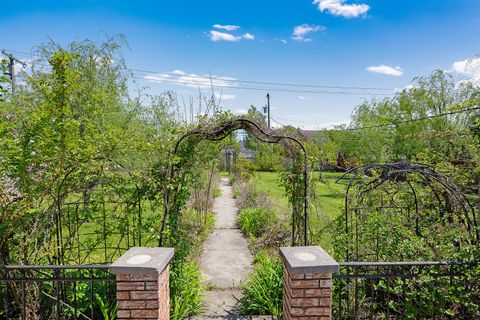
[[226, 261]]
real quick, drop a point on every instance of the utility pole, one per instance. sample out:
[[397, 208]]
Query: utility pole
[[11, 67], [268, 109]]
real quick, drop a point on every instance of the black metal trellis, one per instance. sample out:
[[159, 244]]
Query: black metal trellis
[[363, 181], [110, 217], [56, 292], [371, 290], [223, 130]]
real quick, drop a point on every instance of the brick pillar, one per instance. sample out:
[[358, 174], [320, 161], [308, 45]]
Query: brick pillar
[[143, 283], [307, 288]]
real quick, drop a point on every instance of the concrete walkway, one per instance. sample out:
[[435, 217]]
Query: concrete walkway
[[226, 261]]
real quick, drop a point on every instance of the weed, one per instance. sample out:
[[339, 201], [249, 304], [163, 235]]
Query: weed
[[254, 221], [262, 294], [186, 288], [216, 192]]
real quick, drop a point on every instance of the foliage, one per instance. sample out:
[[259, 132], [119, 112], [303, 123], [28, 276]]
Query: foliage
[[411, 126], [78, 150], [248, 196], [84, 296], [63, 133], [263, 292], [424, 296], [186, 287], [409, 212], [405, 212], [254, 221], [268, 157], [108, 309], [3, 78], [217, 192], [245, 169]]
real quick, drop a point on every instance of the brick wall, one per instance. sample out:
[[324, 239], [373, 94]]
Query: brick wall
[[307, 296], [143, 296]]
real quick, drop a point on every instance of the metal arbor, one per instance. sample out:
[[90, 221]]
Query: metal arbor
[[291, 145], [407, 194]]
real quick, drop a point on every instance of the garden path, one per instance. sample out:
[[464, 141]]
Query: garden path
[[226, 261]]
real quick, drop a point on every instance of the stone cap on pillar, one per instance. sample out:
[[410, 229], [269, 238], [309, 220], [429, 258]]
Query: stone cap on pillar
[[142, 260], [306, 260]]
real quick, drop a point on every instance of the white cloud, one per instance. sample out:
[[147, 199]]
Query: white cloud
[[192, 80], [225, 97], [223, 36], [283, 41], [340, 8], [299, 32], [240, 111], [228, 27], [460, 66], [179, 72], [469, 69], [406, 88], [248, 36], [302, 98], [383, 69]]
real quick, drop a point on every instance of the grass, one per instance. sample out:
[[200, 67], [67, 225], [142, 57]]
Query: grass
[[88, 244], [216, 192], [262, 294], [327, 203], [330, 195], [252, 221]]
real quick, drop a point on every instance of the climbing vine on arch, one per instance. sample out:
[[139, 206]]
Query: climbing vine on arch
[[179, 174], [405, 211]]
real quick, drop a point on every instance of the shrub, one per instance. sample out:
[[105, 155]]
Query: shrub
[[248, 196], [186, 288], [262, 294], [245, 168], [254, 221]]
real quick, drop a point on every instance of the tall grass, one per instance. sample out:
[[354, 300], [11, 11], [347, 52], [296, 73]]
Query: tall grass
[[186, 283], [186, 288], [253, 221], [262, 294]]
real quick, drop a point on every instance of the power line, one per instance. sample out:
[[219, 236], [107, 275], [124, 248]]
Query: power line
[[410, 120], [263, 82], [477, 108], [265, 88], [191, 76]]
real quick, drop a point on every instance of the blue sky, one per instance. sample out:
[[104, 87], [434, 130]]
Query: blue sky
[[339, 43]]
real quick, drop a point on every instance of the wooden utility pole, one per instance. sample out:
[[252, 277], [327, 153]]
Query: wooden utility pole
[[268, 109], [11, 67]]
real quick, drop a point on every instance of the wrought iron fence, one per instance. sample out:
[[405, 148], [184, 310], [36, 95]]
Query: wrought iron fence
[[407, 290], [79, 292]]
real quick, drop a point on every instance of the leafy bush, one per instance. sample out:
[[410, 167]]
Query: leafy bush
[[254, 220], [268, 157], [262, 294], [186, 288], [245, 168]]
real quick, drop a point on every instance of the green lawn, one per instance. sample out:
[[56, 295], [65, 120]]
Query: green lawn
[[326, 205]]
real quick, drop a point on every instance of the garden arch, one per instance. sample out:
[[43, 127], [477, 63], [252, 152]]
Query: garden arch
[[410, 194], [294, 148]]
